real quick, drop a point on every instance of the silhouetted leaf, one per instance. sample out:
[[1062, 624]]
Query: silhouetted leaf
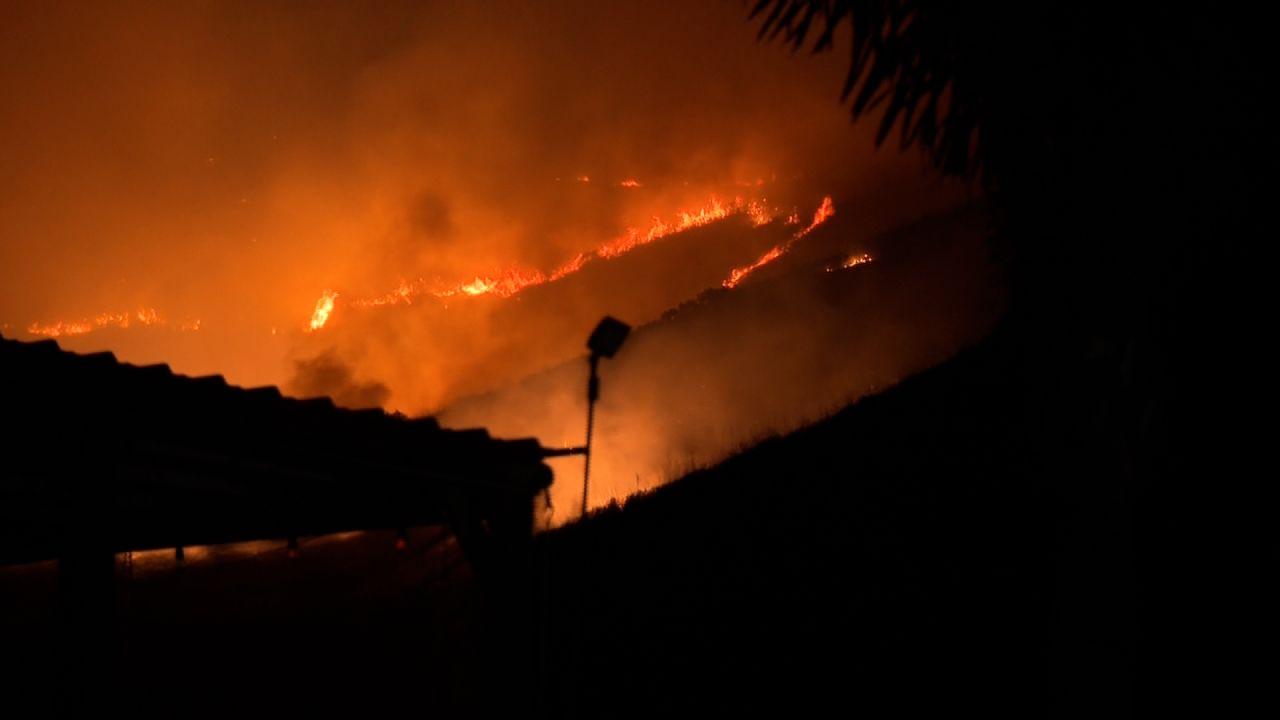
[[901, 52]]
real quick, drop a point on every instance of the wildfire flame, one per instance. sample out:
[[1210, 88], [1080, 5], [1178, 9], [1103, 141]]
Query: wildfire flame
[[714, 210], [510, 281], [737, 275], [859, 259], [141, 316], [759, 214], [821, 215], [570, 267], [324, 308], [515, 279]]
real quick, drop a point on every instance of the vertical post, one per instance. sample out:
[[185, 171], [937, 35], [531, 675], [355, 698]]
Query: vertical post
[[593, 392]]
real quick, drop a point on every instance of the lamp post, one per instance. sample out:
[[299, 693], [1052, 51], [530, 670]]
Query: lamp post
[[603, 343]]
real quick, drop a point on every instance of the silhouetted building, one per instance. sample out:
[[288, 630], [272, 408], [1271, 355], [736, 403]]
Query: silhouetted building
[[102, 456]]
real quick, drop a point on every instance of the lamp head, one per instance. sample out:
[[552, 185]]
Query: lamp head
[[608, 337]]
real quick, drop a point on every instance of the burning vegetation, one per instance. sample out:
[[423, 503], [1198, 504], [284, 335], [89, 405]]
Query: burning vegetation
[[730, 366], [141, 317], [515, 279], [409, 209], [824, 211]]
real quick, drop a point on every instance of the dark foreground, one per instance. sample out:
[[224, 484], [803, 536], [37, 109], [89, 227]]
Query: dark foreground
[[898, 558]]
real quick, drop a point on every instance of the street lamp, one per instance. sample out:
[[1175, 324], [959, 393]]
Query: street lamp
[[604, 342]]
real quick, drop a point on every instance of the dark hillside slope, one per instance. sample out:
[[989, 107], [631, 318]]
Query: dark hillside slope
[[891, 558], [771, 356]]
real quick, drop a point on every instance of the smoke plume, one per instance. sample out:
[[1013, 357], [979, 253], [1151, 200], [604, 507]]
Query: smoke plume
[[215, 167]]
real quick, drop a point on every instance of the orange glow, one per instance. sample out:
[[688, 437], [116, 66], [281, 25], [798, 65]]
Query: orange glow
[[404, 293], [324, 308], [738, 274], [60, 328], [759, 214], [142, 316], [821, 215], [514, 279], [860, 259], [505, 284], [715, 209], [630, 183], [570, 267]]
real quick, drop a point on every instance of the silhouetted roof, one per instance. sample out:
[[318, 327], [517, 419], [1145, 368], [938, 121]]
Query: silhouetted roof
[[162, 454]]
